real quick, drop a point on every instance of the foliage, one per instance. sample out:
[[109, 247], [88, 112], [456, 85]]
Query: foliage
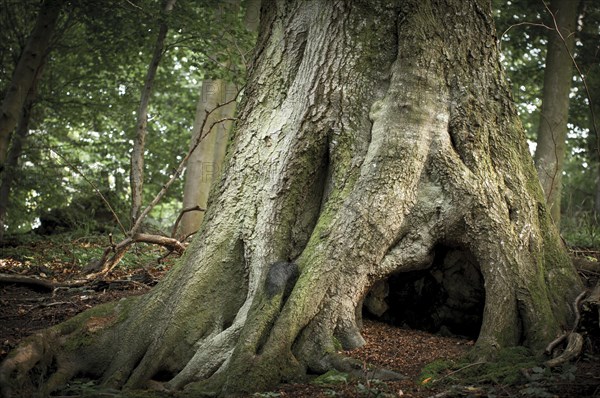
[[68, 252], [84, 120], [523, 42]]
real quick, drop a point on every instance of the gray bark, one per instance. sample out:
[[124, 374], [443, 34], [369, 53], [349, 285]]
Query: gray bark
[[206, 162], [371, 132], [552, 131]]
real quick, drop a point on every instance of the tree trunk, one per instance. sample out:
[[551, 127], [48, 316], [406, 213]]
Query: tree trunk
[[25, 72], [10, 173], [370, 134], [552, 131], [205, 164], [139, 144]]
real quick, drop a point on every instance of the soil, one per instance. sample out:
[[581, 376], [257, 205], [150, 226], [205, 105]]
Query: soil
[[26, 308]]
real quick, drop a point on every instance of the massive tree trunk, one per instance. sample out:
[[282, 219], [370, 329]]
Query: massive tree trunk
[[552, 131], [371, 133]]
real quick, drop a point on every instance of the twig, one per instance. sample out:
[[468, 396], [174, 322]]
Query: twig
[[76, 169], [458, 370], [181, 166], [180, 216], [581, 75]]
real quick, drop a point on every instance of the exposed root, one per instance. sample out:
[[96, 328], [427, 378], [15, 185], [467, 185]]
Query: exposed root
[[574, 346], [574, 339]]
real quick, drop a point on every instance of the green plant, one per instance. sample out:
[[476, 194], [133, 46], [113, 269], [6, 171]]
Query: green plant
[[332, 377]]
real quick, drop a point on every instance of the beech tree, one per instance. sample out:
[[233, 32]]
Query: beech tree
[[371, 133]]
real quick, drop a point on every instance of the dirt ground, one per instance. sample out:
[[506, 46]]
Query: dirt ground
[[25, 308]]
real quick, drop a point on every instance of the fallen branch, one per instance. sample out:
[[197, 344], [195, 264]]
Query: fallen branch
[[109, 261], [43, 283]]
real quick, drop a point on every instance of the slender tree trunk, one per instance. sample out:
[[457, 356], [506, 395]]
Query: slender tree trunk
[[552, 132], [371, 134], [10, 173], [205, 164], [137, 154], [25, 72]]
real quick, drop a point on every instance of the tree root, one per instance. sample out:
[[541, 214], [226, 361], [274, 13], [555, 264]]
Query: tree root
[[573, 350], [574, 339]]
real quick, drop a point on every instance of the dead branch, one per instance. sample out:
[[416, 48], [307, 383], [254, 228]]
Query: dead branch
[[114, 253], [43, 283], [107, 263], [94, 187], [26, 280], [180, 216]]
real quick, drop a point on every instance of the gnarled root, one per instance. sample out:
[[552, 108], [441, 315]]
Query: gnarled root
[[574, 346], [574, 339], [38, 354]]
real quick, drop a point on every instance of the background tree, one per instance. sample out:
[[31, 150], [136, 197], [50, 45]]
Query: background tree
[[524, 42], [371, 134], [85, 101], [220, 86], [26, 72], [139, 144], [552, 129]]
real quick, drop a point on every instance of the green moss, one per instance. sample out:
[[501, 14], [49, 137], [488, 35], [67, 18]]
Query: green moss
[[337, 344], [435, 370], [331, 378], [505, 368]]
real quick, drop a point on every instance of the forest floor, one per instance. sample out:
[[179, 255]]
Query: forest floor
[[434, 365]]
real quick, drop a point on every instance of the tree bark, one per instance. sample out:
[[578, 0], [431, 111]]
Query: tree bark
[[370, 134], [552, 131], [206, 162], [10, 172], [25, 72], [139, 144]]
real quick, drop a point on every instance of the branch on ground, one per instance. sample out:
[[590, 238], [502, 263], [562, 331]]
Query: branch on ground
[[114, 253]]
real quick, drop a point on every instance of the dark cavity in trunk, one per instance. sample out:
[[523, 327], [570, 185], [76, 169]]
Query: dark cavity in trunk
[[446, 298]]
